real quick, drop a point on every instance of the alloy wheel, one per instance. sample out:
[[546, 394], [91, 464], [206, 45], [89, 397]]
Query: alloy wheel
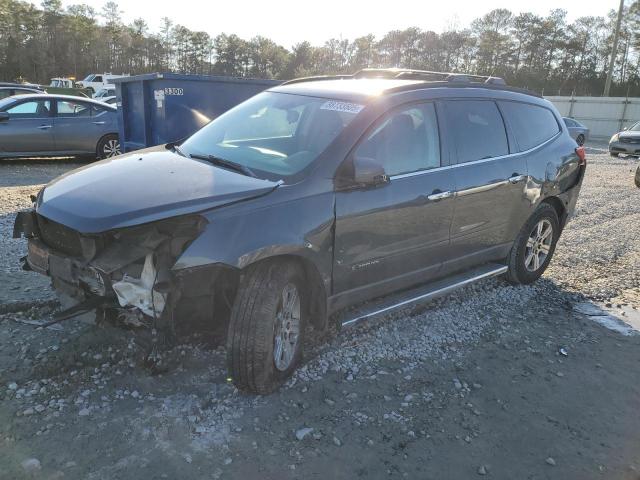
[[287, 327], [111, 148], [538, 245]]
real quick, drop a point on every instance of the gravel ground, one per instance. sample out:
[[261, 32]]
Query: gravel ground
[[19, 180], [493, 380]]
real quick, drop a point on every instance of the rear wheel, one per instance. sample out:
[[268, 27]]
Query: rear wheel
[[534, 246], [266, 330], [108, 146], [580, 139]]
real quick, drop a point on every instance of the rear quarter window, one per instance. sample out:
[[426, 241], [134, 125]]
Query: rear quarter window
[[532, 125], [478, 129]]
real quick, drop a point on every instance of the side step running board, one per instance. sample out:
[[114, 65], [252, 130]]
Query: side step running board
[[421, 294]]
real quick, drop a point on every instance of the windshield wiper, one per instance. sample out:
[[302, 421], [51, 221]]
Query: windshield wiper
[[223, 162], [177, 149]]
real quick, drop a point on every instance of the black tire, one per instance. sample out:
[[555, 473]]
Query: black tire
[[614, 154], [518, 272], [637, 178], [580, 139], [251, 337], [105, 147]]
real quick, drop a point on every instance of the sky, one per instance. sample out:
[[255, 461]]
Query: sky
[[290, 21]]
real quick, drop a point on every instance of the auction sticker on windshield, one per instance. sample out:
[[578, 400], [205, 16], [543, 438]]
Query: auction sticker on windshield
[[341, 106]]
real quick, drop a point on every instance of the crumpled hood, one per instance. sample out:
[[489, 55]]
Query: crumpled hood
[[141, 187]]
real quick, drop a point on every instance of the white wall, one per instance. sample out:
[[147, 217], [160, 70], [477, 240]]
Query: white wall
[[603, 115]]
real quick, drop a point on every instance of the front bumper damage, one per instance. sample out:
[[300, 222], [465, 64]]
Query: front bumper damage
[[629, 147], [129, 269]]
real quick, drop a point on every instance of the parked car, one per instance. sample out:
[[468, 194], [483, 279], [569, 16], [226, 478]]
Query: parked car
[[110, 100], [303, 202], [21, 85], [106, 91], [627, 141], [11, 91], [578, 131], [97, 81], [57, 125]]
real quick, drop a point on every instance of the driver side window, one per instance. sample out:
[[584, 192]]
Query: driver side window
[[405, 141]]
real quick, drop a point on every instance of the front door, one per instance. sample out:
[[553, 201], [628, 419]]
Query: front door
[[395, 235], [490, 198], [28, 129]]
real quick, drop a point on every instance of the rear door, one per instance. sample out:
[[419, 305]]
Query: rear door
[[28, 129], [397, 234], [491, 179], [78, 126]]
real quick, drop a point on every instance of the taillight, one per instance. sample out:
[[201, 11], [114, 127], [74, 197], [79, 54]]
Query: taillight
[[582, 155]]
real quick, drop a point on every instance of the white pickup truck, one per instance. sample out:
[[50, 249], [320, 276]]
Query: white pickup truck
[[98, 81]]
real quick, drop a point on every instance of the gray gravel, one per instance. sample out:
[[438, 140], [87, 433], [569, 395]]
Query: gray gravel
[[471, 384], [599, 253], [19, 180]]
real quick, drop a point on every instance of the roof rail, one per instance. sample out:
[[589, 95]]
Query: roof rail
[[427, 75], [316, 77], [406, 73]]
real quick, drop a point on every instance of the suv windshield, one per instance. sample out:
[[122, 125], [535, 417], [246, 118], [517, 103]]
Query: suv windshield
[[276, 134]]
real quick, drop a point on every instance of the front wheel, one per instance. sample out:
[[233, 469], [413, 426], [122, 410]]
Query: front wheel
[[534, 246], [108, 146], [266, 330]]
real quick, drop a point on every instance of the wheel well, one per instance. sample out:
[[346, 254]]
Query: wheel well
[[318, 296], [559, 207]]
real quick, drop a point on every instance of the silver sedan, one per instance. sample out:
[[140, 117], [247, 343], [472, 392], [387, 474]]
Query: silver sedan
[[626, 142], [57, 125], [578, 131]]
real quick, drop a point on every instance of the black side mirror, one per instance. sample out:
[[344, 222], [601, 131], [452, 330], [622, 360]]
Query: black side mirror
[[4, 116], [368, 172]]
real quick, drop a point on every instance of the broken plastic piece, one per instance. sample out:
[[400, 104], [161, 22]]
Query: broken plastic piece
[[138, 292]]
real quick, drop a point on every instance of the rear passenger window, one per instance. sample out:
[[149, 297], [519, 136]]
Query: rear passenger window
[[478, 129], [531, 124], [405, 141]]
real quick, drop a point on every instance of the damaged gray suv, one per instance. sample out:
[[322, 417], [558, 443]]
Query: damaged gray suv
[[327, 199]]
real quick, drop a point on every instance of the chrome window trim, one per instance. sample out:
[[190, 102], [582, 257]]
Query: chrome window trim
[[484, 160]]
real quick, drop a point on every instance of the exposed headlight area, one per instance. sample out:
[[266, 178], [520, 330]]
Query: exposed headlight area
[[614, 138]]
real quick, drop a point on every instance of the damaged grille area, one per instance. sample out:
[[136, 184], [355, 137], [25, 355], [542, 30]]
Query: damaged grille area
[[129, 267]]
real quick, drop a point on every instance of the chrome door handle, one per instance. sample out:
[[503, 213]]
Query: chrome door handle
[[44, 127], [517, 178], [98, 123], [440, 195]]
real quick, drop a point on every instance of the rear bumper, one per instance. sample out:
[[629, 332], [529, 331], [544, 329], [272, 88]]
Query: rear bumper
[[623, 147]]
